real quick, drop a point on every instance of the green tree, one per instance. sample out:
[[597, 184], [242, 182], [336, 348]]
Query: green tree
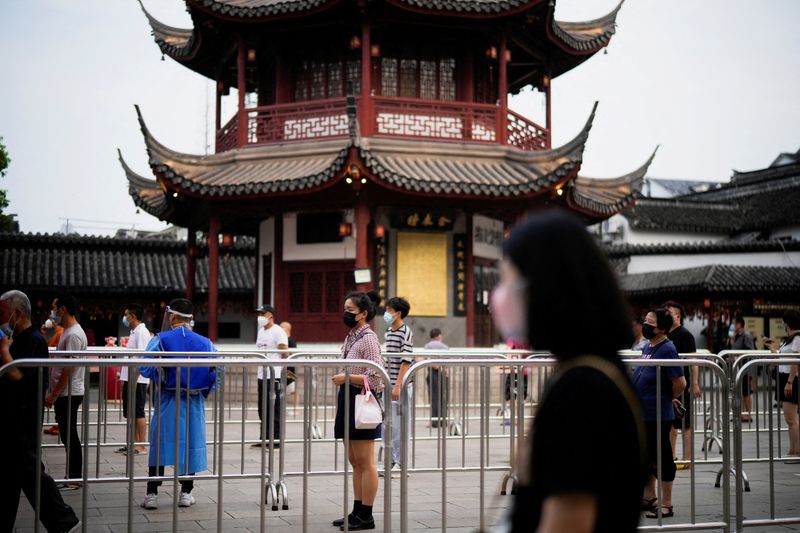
[[6, 222]]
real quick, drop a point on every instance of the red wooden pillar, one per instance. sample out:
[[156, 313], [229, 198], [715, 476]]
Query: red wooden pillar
[[502, 92], [362, 236], [191, 249], [213, 276], [241, 124], [366, 80], [470, 286], [549, 104]]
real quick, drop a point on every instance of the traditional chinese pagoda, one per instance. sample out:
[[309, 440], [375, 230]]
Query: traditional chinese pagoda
[[373, 147]]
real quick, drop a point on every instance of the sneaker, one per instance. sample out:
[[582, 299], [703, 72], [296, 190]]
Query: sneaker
[[74, 528], [396, 472], [52, 430], [150, 501], [186, 500], [68, 486], [355, 523], [123, 449], [682, 466]]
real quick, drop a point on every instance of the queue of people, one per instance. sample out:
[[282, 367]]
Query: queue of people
[[564, 485]]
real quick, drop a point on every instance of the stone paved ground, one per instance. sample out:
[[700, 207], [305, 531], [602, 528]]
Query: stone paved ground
[[108, 502]]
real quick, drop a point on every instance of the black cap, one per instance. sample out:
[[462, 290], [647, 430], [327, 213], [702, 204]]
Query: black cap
[[265, 308]]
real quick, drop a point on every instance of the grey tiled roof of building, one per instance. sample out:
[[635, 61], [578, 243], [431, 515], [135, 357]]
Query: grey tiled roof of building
[[714, 279], [109, 266]]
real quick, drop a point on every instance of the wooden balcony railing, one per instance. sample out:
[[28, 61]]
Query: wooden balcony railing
[[392, 117]]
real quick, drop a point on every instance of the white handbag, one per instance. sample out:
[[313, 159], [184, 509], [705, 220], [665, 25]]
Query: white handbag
[[368, 411]]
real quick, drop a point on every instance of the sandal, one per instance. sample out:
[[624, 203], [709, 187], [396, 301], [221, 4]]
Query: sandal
[[654, 513], [648, 504]]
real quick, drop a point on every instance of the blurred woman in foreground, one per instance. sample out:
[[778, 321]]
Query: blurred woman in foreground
[[584, 469]]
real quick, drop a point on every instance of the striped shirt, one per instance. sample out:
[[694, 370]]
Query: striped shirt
[[399, 342]]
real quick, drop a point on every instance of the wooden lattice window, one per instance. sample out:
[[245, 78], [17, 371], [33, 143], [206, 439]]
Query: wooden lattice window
[[335, 82], [408, 78], [297, 292], [354, 74], [314, 292], [427, 80], [301, 82], [447, 79], [389, 76], [333, 290], [318, 89], [318, 79]]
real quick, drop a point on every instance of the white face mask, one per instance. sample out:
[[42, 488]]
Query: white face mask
[[262, 321], [48, 324], [509, 313]]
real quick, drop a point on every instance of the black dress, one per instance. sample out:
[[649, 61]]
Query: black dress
[[338, 427]]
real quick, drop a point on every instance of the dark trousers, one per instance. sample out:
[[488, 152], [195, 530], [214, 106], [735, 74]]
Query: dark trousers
[[439, 392], [152, 486], [265, 387], [667, 458], [66, 408], [19, 456]]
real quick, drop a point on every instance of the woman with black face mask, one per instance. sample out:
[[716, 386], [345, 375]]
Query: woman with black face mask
[[655, 328], [361, 343]]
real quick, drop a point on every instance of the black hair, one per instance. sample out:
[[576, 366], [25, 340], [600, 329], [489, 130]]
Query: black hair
[[182, 305], [568, 274], [399, 304], [136, 310], [435, 332], [663, 318], [792, 318], [363, 302], [375, 298], [69, 302], [739, 319], [676, 305]]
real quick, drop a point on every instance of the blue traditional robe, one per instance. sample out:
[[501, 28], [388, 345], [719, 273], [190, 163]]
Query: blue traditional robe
[[164, 426]]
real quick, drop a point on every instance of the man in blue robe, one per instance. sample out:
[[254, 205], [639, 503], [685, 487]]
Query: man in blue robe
[[187, 387]]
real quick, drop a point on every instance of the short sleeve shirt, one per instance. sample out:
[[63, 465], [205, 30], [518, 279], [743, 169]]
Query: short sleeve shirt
[[399, 343], [73, 340], [270, 339], [645, 381], [138, 340], [791, 347]]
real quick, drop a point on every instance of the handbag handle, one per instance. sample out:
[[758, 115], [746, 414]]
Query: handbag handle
[[365, 388]]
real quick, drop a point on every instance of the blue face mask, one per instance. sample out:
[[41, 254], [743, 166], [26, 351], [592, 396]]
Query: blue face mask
[[126, 322], [732, 331], [56, 319], [388, 318]]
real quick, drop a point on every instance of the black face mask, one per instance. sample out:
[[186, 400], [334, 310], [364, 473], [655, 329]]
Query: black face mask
[[648, 331], [349, 319]]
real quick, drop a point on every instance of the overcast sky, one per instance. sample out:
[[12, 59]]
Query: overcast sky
[[714, 82]]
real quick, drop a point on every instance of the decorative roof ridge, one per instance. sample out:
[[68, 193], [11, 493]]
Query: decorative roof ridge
[[629, 178], [632, 179], [175, 42], [691, 248], [134, 178], [267, 9], [56, 240], [782, 169], [674, 202], [584, 37]]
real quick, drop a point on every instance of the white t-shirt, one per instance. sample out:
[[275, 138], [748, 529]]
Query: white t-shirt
[[270, 339], [792, 347], [138, 340], [73, 339]]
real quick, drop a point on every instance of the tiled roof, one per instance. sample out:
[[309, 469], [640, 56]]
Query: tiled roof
[[714, 279], [693, 248], [175, 42], [589, 36], [111, 266], [484, 170], [602, 198]]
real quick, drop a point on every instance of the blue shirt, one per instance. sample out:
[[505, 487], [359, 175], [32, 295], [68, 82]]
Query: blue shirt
[[644, 381]]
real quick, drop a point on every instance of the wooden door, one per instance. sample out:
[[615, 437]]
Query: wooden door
[[487, 277]]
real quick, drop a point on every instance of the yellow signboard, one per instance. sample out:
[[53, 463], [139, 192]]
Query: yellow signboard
[[422, 272], [754, 325]]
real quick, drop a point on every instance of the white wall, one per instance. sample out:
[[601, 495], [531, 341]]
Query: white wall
[[657, 263], [266, 245], [316, 252]]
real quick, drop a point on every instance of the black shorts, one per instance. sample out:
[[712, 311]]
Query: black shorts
[[779, 395], [141, 399]]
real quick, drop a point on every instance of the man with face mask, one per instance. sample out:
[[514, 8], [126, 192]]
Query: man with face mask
[[67, 385], [270, 337], [138, 340], [19, 390], [186, 386]]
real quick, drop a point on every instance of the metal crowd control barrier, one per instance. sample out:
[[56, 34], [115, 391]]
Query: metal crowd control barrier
[[484, 365], [743, 366], [223, 364]]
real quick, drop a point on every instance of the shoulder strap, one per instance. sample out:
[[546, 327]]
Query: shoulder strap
[[614, 375]]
